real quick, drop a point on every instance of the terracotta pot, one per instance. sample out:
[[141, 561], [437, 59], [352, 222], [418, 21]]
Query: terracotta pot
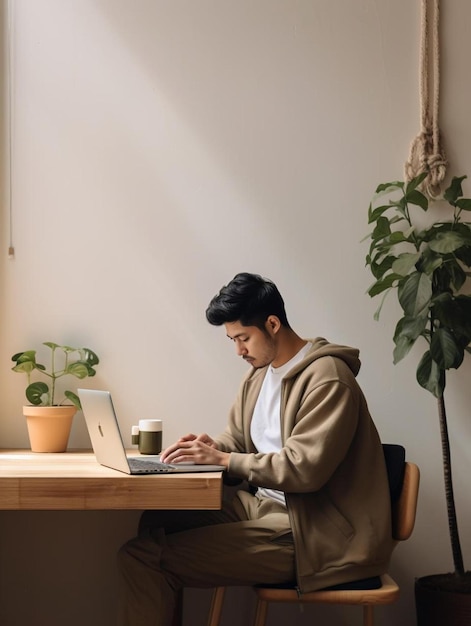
[[49, 427], [438, 605]]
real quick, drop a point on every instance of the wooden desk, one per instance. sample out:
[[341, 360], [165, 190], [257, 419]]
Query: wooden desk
[[75, 481]]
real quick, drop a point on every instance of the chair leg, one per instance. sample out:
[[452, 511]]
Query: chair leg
[[261, 613], [368, 615], [216, 606]]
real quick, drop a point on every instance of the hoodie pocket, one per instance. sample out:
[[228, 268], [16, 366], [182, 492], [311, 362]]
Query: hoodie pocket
[[335, 517]]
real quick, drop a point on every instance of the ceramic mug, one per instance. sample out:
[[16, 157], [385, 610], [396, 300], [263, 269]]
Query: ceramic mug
[[148, 436]]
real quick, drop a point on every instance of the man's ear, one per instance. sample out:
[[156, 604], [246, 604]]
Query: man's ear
[[273, 324]]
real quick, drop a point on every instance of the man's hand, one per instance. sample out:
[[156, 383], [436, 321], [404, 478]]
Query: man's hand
[[199, 449]]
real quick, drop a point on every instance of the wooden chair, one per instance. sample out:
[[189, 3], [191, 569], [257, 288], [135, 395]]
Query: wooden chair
[[404, 488]]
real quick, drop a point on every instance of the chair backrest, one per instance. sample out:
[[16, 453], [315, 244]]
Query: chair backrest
[[404, 489], [405, 507]]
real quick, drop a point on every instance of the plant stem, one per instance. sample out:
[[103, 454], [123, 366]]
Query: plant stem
[[450, 499], [53, 374]]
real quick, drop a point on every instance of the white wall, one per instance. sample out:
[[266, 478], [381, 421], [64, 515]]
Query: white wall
[[161, 146]]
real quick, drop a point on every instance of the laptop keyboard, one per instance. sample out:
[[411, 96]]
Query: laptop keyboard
[[142, 465]]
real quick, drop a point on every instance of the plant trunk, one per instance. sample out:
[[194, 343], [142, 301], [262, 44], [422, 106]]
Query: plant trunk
[[450, 498]]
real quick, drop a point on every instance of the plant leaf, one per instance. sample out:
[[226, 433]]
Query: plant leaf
[[457, 275], [454, 190], [402, 348], [73, 398], [90, 357], [444, 350], [378, 310], [408, 330], [379, 269], [430, 261], [382, 229], [454, 313], [464, 204], [464, 255], [35, 393], [389, 186], [430, 376], [446, 242], [415, 182], [51, 344], [374, 214], [78, 369], [405, 262], [381, 285], [415, 294], [417, 198]]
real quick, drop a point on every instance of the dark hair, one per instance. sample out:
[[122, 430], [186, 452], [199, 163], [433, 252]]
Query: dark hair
[[248, 299]]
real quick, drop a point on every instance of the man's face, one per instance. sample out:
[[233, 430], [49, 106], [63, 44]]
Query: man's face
[[254, 345]]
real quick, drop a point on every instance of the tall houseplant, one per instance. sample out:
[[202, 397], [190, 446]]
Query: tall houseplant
[[429, 268], [49, 420]]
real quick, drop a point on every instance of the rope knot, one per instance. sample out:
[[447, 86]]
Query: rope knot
[[426, 154]]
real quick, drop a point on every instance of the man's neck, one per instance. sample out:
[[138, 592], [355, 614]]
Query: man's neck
[[289, 344]]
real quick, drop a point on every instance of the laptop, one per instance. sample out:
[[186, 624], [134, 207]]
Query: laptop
[[107, 443]]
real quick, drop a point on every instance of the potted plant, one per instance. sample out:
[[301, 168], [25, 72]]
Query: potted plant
[[429, 267], [49, 420]]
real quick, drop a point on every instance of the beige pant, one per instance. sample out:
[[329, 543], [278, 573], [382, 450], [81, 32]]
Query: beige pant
[[247, 542]]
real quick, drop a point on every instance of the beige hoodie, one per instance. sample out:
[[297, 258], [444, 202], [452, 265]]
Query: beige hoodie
[[331, 466]]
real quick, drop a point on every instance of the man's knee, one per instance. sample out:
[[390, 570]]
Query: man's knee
[[140, 552], [126, 555]]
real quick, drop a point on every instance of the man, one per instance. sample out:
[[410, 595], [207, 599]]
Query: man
[[300, 434]]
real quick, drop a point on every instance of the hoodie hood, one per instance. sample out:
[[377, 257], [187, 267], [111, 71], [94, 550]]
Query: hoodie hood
[[321, 347]]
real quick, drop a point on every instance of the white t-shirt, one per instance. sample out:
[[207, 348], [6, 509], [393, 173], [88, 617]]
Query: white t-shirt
[[265, 429]]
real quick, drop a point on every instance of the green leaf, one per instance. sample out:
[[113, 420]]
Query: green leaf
[[379, 269], [430, 376], [397, 237], [464, 204], [408, 330], [78, 369], [26, 362], [73, 398], [51, 344], [90, 356], [410, 327], [457, 274], [374, 214], [444, 350], [381, 285], [417, 198], [454, 191], [21, 357], [378, 310], [381, 230], [446, 242], [389, 186], [415, 294], [35, 393], [402, 348], [464, 255], [429, 262], [405, 262], [401, 206], [415, 182], [454, 313], [26, 367]]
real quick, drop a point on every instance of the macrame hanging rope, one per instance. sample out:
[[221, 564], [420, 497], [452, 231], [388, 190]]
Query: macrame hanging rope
[[426, 153]]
